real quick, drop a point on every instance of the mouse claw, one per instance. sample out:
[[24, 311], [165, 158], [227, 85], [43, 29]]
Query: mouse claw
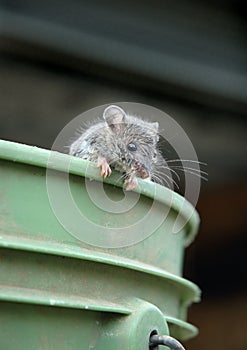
[[105, 167], [130, 183]]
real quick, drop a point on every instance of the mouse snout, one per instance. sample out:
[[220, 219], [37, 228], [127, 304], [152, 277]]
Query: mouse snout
[[141, 170]]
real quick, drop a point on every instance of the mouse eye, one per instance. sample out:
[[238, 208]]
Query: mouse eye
[[132, 147]]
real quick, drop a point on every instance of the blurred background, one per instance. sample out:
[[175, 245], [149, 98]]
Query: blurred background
[[59, 58]]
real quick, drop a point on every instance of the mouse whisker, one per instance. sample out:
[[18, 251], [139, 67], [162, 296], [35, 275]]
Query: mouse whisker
[[167, 181], [160, 181], [185, 160], [199, 171], [121, 178], [171, 170], [160, 175], [172, 181], [197, 174]]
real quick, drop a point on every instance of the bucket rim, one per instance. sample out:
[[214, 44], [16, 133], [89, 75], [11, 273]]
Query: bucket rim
[[40, 157]]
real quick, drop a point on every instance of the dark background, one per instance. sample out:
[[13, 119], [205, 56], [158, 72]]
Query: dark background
[[187, 58]]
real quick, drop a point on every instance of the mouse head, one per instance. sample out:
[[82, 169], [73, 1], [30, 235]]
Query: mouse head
[[134, 140]]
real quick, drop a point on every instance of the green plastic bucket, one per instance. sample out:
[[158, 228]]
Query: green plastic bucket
[[70, 278]]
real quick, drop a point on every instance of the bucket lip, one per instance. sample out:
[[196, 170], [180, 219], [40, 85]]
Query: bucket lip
[[33, 155]]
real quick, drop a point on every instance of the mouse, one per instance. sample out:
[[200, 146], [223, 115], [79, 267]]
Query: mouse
[[123, 142]]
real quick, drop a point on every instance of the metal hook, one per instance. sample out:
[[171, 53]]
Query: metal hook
[[172, 343]]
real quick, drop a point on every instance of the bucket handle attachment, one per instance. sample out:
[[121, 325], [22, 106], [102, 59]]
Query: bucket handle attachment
[[156, 340]]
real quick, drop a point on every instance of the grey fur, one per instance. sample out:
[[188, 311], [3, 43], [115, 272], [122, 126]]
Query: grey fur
[[110, 139]]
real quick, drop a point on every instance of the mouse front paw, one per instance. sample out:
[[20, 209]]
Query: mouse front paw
[[130, 183], [105, 167]]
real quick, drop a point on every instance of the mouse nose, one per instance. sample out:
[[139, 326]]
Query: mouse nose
[[144, 174]]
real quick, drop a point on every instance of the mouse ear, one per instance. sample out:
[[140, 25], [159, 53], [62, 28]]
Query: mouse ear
[[114, 117], [155, 126], [154, 130]]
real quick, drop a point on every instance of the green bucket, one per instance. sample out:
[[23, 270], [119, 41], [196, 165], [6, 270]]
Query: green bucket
[[81, 276]]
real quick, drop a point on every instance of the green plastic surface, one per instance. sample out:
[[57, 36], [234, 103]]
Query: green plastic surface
[[59, 292]]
